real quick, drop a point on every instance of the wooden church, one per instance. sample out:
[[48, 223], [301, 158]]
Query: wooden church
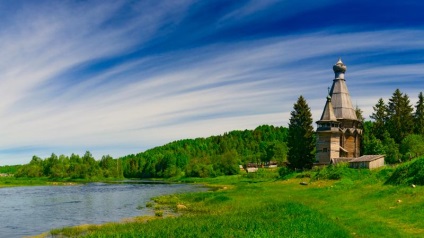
[[339, 131]]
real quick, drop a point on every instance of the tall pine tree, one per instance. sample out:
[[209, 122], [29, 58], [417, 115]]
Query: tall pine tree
[[400, 118], [419, 115], [380, 118], [300, 139]]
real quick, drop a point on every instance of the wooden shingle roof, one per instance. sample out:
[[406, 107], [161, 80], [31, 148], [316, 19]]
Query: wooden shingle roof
[[340, 97], [328, 113]]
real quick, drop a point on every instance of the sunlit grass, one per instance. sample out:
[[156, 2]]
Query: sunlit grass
[[356, 205], [13, 182]]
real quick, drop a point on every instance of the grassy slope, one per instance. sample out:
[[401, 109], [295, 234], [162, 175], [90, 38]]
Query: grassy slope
[[358, 206], [411, 172]]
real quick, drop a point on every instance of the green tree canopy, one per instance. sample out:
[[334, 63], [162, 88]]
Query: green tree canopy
[[301, 142], [359, 113], [380, 118], [412, 146], [400, 118], [419, 115]]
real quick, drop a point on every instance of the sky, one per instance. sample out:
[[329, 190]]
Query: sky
[[120, 77]]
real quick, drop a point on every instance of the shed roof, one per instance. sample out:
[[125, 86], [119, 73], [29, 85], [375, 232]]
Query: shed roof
[[366, 158]]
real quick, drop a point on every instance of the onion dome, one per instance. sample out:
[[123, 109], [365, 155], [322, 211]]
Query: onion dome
[[339, 67]]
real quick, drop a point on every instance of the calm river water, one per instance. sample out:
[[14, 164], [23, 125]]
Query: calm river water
[[28, 211]]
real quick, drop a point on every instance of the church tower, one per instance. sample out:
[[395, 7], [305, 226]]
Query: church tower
[[328, 135], [339, 130]]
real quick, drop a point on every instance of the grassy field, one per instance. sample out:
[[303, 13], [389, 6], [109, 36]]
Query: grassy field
[[358, 204], [13, 182]]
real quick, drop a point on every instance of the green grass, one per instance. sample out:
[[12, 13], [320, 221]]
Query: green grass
[[356, 205], [408, 173], [12, 181]]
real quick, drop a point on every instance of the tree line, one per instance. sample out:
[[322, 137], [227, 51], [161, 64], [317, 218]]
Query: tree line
[[73, 167], [212, 156], [397, 130], [201, 157]]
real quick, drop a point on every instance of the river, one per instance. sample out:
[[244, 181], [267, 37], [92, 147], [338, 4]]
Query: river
[[26, 211]]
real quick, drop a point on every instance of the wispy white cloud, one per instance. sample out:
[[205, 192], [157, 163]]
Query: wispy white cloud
[[54, 101]]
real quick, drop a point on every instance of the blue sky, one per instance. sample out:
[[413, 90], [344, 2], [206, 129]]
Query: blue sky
[[120, 77]]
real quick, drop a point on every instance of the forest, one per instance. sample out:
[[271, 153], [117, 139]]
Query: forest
[[201, 157], [396, 130]]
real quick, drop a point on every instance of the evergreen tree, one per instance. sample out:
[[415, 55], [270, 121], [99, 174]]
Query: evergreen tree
[[380, 117], [300, 137], [419, 115], [359, 113], [400, 118]]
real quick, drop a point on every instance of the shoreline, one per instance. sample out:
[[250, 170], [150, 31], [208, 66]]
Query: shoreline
[[246, 206], [156, 204]]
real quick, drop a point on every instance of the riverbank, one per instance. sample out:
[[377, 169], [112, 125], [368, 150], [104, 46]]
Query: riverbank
[[11, 181], [31, 210], [264, 206]]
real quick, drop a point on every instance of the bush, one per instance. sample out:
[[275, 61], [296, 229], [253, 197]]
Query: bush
[[284, 172], [332, 172], [159, 213], [200, 168], [304, 175], [263, 174]]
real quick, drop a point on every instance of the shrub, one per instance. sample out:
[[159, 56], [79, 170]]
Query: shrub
[[304, 175], [332, 172], [284, 172], [263, 174]]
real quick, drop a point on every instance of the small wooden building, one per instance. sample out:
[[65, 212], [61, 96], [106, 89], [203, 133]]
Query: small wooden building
[[367, 162]]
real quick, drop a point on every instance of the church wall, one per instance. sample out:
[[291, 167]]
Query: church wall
[[358, 145], [328, 145], [350, 145], [351, 142]]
